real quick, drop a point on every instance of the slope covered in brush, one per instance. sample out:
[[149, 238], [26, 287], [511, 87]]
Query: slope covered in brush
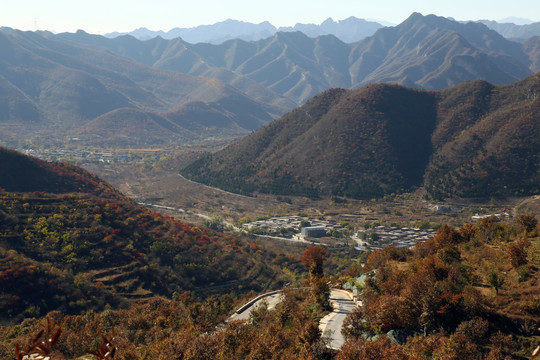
[[77, 249], [456, 295]]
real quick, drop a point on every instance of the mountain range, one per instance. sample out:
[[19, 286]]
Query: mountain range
[[427, 52], [471, 140], [348, 30], [126, 91]]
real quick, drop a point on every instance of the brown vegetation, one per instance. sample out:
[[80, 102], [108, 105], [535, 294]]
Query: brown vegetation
[[432, 298], [184, 329]]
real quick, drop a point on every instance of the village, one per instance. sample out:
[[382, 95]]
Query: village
[[78, 155], [329, 232], [85, 156], [291, 224]]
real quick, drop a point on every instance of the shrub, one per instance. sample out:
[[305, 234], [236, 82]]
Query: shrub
[[518, 253]]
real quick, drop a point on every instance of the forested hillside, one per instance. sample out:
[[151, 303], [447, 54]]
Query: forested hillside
[[21, 173], [472, 140], [486, 141], [468, 293]]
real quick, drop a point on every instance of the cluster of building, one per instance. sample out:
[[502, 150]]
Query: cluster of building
[[369, 239], [381, 236], [505, 214], [78, 155], [292, 224]]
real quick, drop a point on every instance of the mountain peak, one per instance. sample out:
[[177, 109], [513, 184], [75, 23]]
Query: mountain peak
[[328, 22], [430, 19], [415, 16], [290, 35]]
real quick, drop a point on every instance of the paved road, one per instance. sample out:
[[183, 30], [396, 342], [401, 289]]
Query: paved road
[[332, 323], [271, 301], [285, 239], [180, 210], [215, 188]]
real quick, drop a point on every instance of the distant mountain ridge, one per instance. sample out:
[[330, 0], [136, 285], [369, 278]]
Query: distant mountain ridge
[[348, 30], [471, 140], [512, 31]]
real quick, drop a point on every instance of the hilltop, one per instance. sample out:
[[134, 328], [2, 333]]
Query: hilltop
[[21, 173], [475, 139]]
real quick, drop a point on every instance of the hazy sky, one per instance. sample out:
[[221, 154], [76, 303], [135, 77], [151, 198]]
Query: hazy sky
[[103, 16]]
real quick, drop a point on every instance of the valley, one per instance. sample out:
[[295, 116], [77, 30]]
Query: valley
[[160, 183]]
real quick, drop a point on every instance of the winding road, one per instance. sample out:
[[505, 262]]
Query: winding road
[[271, 299], [330, 325]]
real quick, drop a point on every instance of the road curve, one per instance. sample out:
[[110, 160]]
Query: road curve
[[332, 323], [271, 300]]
